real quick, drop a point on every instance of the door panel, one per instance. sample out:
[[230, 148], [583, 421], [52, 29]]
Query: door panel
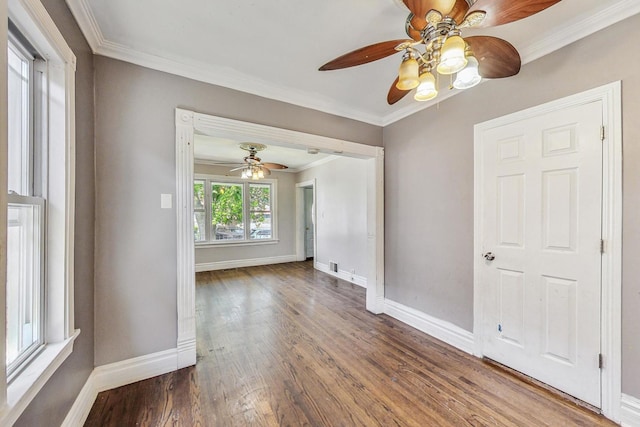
[[541, 218], [512, 307]]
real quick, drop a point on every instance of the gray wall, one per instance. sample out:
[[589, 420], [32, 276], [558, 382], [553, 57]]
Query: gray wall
[[135, 280], [54, 401], [285, 216], [341, 213], [429, 181]]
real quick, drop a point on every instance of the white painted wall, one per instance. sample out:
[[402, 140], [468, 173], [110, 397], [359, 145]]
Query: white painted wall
[[341, 213]]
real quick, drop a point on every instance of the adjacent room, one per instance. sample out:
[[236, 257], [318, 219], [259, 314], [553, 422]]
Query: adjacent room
[[391, 212]]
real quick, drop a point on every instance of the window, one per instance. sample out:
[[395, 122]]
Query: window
[[233, 211], [26, 219], [39, 329]]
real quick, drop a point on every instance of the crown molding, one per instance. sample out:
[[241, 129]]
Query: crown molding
[[581, 26], [200, 71], [85, 18]]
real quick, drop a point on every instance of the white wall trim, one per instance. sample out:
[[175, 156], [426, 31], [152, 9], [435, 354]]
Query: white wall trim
[[300, 220], [81, 407], [113, 375], [33, 20], [630, 411], [186, 274], [342, 274], [240, 263], [187, 124], [437, 328], [375, 232], [611, 321], [129, 371], [26, 387], [201, 71]]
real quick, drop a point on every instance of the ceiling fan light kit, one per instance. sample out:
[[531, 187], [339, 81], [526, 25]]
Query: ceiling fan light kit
[[437, 45], [252, 166]]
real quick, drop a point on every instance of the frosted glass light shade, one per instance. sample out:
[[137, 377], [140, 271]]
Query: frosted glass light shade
[[408, 74], [427, 89], [452, 58], [468, 77]]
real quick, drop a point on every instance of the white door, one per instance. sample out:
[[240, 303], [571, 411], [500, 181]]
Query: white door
[[308, 223], [541, 220]]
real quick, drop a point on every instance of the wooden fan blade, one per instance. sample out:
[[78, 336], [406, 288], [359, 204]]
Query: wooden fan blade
[[504, 11], [274, 166], [395, 94], [459, 11], [364, 55], [266, 171], [497, 58]]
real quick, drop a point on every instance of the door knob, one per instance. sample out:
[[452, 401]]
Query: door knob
[[489, 256]]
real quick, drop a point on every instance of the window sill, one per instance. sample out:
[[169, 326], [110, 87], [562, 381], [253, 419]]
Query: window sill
[[26, 385], [243, 243]]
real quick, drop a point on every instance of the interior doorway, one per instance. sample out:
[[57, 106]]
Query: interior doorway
[[547, 285], [541, 221], [188, 123], [305, 220], [309, 234]]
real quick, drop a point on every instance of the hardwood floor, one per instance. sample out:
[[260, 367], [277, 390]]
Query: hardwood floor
[[285, 345]]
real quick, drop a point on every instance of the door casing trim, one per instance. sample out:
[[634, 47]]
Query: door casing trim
[[611, 322], [300, 211]]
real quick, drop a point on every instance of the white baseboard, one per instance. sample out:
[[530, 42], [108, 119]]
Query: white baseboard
[[118, 374], [140, 368], [630, 411], [187, 354], [342, 274], [252, 262], [82, 406], [440, 329]]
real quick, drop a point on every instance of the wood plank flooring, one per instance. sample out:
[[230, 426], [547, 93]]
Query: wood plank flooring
[[285, 345]]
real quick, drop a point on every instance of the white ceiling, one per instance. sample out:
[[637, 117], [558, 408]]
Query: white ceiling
[[274, 48], [211, 148]]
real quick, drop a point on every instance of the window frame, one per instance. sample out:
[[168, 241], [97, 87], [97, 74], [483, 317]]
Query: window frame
[[33, 185], [23, 359], [246, 241], [32, 21]]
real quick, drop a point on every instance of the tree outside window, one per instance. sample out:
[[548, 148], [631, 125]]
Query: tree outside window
[[235, 211]]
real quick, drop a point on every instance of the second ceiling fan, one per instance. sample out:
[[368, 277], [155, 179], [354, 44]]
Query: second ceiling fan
[[436, 44], [253, 167]]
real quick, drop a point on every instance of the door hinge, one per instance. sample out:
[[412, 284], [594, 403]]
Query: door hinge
[[601, 246], [600, 361], [602, 133]]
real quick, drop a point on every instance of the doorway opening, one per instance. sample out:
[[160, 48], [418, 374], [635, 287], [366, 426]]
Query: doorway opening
[[305, 221], [527, 204], [188, 124]]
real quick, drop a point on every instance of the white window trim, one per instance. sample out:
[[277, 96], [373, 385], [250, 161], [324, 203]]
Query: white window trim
[[274, 212], [34, 22]]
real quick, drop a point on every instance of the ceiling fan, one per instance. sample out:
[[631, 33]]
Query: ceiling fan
[[435, 26], [253, 167]]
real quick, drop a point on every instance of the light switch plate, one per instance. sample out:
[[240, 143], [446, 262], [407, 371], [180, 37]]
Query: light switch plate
[[165, 201]]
